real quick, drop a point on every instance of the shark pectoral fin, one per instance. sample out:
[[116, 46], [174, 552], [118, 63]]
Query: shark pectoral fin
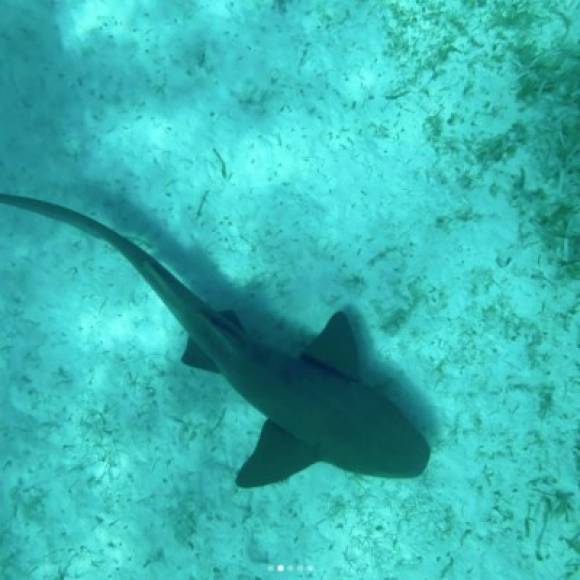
[[335, 347], [277, 456]]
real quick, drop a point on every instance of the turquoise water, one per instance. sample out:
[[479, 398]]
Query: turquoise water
[[413, 163]]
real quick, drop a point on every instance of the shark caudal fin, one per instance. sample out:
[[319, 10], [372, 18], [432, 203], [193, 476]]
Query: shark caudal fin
[[176, 296]]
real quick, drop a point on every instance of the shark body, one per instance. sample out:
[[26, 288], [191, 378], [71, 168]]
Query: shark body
[[317, 408]]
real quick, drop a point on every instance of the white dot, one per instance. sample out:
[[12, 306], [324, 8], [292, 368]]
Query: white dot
[[280, 568]]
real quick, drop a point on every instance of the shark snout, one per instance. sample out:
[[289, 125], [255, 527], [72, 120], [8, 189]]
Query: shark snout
[[416, 459]]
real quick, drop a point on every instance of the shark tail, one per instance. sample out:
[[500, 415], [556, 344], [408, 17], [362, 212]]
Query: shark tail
[[171, 290]]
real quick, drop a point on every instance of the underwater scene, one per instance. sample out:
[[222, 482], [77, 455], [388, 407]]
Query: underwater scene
[[290, 289]]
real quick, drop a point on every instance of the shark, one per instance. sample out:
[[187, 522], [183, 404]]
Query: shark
[[317, 408]]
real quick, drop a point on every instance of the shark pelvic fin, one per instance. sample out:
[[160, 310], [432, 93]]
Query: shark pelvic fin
[[193, 356]]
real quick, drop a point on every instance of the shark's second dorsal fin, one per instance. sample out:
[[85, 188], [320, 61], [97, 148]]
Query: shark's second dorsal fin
[[195, 357], [277, 456], [335, 347]]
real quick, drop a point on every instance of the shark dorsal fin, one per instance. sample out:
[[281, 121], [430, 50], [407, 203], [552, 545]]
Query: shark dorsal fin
[[335, 347], [277, 456], [233, 318]]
